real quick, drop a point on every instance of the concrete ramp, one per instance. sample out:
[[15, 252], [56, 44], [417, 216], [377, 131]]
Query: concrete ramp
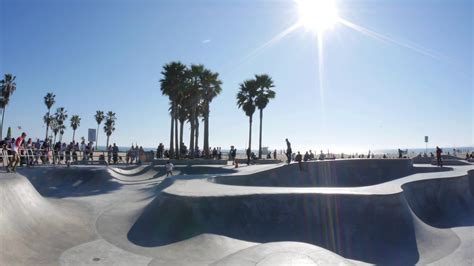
[[33, 229], [401, 224], [338, 173], [86, 215]]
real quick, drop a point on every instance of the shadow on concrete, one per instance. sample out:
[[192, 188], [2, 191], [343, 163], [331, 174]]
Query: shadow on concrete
[[340, 173], [443, 203], [71, 182], [356, 227]]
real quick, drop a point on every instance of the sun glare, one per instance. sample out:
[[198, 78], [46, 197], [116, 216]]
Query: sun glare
[[317, 15]]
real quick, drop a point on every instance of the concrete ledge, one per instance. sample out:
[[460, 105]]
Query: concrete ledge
[[190, 162]]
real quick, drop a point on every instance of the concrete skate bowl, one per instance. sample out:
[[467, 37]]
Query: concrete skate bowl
[[402, 226], [35, 230], [340, 173], [143, 173], [71, 182]]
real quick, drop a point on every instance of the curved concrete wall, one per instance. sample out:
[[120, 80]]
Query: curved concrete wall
[[370, 228], [32, 229], [339, 173]]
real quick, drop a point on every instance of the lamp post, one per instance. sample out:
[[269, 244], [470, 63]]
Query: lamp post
[[426, 144]]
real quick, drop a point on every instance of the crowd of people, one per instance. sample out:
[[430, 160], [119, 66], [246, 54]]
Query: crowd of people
[[215, 153], [22, 151]]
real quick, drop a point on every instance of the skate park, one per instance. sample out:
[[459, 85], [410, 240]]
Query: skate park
[[345, 212]]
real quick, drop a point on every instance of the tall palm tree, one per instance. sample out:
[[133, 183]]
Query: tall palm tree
[[99, 117], [182, 117], [174, 76], [47, 118], [75, 123], [61, 127], [109, 125], [211, 87], [264, 94], [199, 113], [8, 87], [194, 97], [246, 100], [55, 127], [61, 116], [49, 102]]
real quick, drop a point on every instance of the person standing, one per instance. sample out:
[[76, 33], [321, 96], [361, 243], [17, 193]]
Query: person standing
[[288, 151], [16, 145], [439, 161], [115, 151], [169, 168], [109, 154]]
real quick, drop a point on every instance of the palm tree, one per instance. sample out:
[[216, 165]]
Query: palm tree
[[75, 123], [47, 118], [109, 125], [61, 116], [264, 94], [55, 127], [99, 117], [194, 99], [246, 100], [211, 87], [8, 87], [49, 102], [61, 128], [174, 76]]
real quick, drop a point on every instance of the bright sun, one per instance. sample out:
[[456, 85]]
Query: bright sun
[[317, 15]]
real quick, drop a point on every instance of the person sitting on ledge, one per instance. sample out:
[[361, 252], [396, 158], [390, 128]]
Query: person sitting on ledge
[[298, 158], [306, 157]]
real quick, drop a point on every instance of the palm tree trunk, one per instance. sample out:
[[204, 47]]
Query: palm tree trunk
[[97, 138], [206, 133], [250, 141], [74, 134], [47, 126], [196, 143], [176, 148], [1, 126], [107, 145], [191, 137], [181, 128], [260, 136], [171, 134]]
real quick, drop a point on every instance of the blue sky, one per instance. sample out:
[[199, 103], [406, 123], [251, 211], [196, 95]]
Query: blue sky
[[376, 94]]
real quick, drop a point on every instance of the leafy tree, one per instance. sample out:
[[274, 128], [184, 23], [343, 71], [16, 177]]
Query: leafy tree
[[75, 123], [264, 95], [109, 125], [246, 98], [99, 117], [49, 101], [8, 87], [61, 116], [211, 87], [174, 79]]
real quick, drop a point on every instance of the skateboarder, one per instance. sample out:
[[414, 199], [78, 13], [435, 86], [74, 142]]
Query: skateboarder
[[16, 146], [169, 169]]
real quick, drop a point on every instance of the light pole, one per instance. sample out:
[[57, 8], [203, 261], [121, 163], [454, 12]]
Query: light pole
[[426, 144]]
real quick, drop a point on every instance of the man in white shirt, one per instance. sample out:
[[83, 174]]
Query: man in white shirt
[[169, 169]]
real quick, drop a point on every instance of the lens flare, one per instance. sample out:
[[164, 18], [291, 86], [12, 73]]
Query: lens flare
[[317, 15]]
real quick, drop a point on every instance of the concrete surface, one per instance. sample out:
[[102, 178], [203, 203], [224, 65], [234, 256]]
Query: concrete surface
[[394, 213]]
